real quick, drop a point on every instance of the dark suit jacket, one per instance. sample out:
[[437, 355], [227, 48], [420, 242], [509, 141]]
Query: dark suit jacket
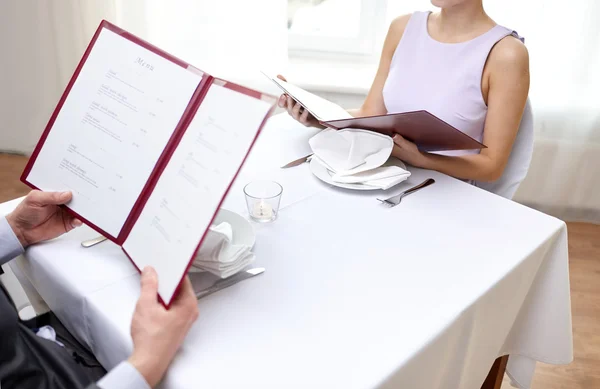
[[28, 361]]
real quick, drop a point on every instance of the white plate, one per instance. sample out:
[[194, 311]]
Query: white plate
[[243, 232], [323, 174]]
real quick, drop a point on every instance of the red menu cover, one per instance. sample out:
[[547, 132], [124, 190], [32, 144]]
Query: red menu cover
[[427, 131], [149, 146]]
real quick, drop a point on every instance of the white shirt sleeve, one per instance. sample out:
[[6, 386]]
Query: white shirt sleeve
[[10, 247], [123, 376]]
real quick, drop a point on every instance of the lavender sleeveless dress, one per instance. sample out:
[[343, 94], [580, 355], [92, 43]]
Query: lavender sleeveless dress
[[442, 78]]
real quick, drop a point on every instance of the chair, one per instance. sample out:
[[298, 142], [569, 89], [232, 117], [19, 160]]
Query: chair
[[518, 161]]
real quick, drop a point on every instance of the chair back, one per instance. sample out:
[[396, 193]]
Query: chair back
[[518, 161]]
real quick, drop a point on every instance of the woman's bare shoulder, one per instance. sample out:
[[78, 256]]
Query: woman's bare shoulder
[[399, 24], [509, 53], [395, 33]]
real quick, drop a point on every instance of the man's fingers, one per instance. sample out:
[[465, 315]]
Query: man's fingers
[[190, 295], [49, 198], [149, 281], [73, 223], [186, 290], [70, 222], [186, 299], [281, 77]]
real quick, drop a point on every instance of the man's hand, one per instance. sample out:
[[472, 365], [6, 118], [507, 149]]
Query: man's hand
[[40, 218], [157, 333]]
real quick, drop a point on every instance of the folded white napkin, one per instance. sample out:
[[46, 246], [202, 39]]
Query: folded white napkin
[[351, 151], [383, 177], [358, 157], [219, 255]]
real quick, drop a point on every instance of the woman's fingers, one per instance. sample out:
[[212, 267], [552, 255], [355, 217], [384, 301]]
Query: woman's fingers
[[282, 101], [296, 111], [304, 117], [399, 140]]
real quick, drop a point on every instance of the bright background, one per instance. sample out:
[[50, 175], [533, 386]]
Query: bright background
[[328, 46]]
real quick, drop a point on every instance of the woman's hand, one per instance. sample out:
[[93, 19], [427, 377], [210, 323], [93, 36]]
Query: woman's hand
[[296, 110], [408, 152]]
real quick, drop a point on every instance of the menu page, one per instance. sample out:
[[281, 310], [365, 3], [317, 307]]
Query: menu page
[[322, 109], [189, 191], [113, 127]]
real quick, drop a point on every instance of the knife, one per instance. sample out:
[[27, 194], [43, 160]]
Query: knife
[[93, 242], [227, 282], [297, 162]]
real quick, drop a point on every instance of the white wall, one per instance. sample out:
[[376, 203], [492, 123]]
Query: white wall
[[38, 57], [28, 75]]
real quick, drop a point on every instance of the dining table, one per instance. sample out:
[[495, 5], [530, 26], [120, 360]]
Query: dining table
[[355, 294]]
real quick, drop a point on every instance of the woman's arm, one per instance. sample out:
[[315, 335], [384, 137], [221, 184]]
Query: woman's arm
[[508, 66], [373, 104]]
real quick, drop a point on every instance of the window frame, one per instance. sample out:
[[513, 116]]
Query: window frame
[[372, 15]]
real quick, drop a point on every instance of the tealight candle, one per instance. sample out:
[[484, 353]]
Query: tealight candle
[[262, 199], [262, 210]]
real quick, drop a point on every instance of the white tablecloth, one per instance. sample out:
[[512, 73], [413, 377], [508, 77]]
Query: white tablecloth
[[424, 295]]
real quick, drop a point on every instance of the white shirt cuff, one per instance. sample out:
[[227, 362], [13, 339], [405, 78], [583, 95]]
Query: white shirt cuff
[[123, 376], [10, 247]]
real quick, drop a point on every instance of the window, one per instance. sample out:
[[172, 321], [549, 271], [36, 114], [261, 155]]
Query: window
[[358, 27], [334, 26]]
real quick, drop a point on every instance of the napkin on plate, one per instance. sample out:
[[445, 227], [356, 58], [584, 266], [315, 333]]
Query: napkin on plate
[[383, 177], [218, 255], [351, 151], [358, 157]]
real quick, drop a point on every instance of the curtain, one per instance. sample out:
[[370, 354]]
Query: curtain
[[563, 39], [41, 44], [43, 41]]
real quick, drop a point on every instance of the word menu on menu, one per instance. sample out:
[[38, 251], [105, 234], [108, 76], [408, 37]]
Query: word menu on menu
[[149, 147]]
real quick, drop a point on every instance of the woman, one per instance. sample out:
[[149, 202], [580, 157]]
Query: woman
[[459, 65]]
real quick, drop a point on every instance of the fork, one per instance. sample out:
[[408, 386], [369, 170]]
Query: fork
[[395, 200]]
